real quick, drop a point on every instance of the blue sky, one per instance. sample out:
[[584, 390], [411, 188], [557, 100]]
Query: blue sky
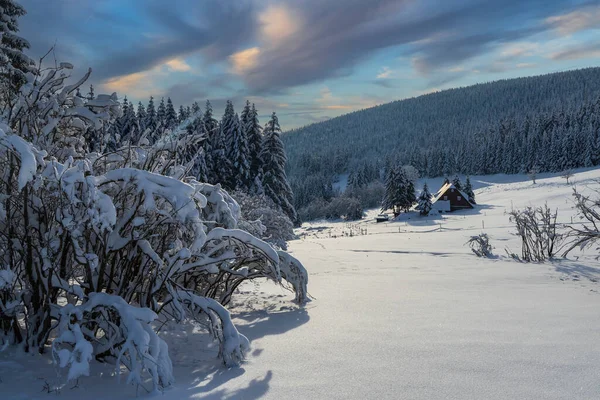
[[310, 60]]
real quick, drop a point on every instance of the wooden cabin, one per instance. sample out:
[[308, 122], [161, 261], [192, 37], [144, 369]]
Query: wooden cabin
[[449, 198]]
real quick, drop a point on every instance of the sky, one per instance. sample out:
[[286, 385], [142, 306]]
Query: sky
[[309, 60]]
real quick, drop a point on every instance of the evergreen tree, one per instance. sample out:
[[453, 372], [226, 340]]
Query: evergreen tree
[[456, 182], [392, 196], [170, 116], [424, 202], [469, 191], [183, 115], [141, 117], [210, 128], [195, 108], [90, 94], [273, 158], [254, 136], [161, 115], [446, 180], [14, 64], [151, 122], [238, 155], [221, 142]]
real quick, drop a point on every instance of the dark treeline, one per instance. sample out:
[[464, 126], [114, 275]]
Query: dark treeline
[[544, 123]]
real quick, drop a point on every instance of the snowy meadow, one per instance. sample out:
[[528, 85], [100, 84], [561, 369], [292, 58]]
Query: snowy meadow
[[401, 309]]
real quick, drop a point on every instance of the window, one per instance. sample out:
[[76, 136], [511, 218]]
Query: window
[[459, 198], [445, 197]]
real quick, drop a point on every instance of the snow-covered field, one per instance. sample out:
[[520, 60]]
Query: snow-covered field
[[401, 310]]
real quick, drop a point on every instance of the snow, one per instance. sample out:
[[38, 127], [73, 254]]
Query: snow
[[405, 311]]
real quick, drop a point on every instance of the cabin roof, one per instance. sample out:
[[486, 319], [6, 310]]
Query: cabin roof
[[447, 187]]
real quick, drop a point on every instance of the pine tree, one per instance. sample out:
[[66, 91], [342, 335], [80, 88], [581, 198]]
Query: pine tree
[[238, 155], [424, 201], [255, 138], [457, 183], [90, 94], [392, 196], [210, 128], [195, 108], [161, 115], [407, 185], [446, 180], [469, 191], [170, 116], [141, 117], [273, 158], [151, 122], [14, 64], [182, 116], [221, 142]]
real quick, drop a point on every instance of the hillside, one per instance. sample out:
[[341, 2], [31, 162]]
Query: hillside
[[548, 122]]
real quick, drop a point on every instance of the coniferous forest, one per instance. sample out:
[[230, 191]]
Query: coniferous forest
[[547, 123]]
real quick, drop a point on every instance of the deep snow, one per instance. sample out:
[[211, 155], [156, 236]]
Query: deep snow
[[405, 311]]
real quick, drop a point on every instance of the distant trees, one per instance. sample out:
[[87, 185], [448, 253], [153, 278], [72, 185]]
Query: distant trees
[[521, 127]]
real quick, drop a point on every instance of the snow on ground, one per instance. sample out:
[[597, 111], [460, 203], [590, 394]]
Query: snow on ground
[[402, 310]]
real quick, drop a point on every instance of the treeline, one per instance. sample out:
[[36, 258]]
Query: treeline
[[546, 123], [235, 152]]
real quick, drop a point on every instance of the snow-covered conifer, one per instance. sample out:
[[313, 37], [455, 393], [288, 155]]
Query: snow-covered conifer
[[424, 201], [273, 158], [457, 183], [238, 155], [14, 64], [469, 191], [170, 115]]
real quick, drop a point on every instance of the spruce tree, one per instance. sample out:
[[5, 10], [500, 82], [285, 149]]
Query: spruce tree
[[469, 191], [238, 156], [14, 64], [273, 158], [221, 142], [210, 127], [151, 122], [170, 115], [161, 115], [195, 108], [141, 117], [392, 196], [457, 183], [424, 201], [90, 94], [446, 180], [254, 136]]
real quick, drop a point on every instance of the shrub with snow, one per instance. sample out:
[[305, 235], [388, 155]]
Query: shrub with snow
[[263, 218], [98, 247]]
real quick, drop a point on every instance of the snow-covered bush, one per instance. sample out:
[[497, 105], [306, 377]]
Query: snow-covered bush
[[96, 247], [480, 245], [261, 217]]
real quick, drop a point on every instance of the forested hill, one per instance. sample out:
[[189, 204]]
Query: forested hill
[[453, 131]]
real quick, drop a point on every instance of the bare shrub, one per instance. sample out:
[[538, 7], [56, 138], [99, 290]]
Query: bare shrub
[[537, 228], [480, 245]]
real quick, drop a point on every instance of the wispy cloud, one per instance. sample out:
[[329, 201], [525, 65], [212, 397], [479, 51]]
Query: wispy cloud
[[575, 21]]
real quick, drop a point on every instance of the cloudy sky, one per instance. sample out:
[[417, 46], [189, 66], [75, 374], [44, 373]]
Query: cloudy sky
[[310, 60]]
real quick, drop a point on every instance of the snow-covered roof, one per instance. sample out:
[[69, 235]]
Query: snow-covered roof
[[445, 188]]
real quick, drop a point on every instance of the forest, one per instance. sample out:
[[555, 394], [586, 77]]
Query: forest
[[543, 123]]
